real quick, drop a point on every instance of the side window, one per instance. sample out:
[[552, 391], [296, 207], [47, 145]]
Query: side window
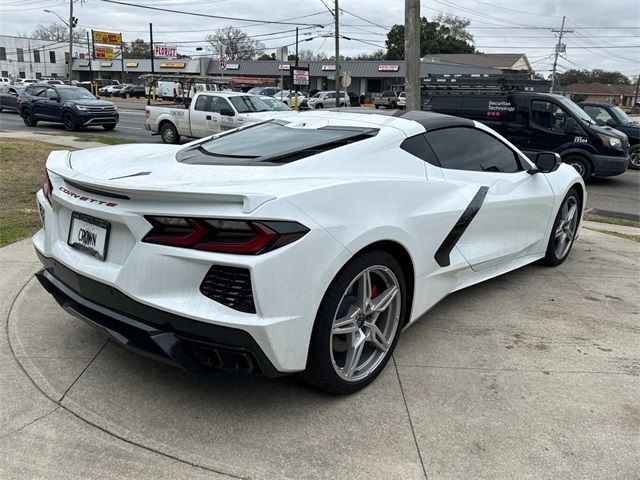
[[462, 148], [548, 115], [599, 114], [419, 147], [201, 103], [51, 93], [331, 95]]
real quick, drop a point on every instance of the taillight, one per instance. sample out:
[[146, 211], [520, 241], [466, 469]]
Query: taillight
[[247, 237], [47, 188], [147, 113]]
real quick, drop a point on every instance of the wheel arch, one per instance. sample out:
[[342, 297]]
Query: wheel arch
[[164, 121], [576, 152], [402, 255]]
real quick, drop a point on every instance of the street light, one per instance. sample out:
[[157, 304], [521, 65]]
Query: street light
[[72, 23]]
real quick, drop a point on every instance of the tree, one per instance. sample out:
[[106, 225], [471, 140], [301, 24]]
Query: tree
[[434, 38], [584, 76], [238, 45], [376, 55], [58, 32], [137, 49], [307, 55], [454, 27]]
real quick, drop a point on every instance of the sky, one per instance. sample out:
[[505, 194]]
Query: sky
[[606, 33]]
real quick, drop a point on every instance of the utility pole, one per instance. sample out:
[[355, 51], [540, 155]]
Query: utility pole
[[561, 32], [71, 19], [153, 70], [412, 53], [336, 14], [90, 50]]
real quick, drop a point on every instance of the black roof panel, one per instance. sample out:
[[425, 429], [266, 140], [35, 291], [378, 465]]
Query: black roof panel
[[434, 121]]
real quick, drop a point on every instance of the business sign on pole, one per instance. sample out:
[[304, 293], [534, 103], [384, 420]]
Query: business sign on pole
[[107, 38], [282, 54], [300, 76], [222, 64], [105, 52], [165, 51]]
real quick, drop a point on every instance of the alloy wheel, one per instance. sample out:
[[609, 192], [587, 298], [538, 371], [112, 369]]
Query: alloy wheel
[[365, 323], [566, 229], [634, 158], [579, 166]]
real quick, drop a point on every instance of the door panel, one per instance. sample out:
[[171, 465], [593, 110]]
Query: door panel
[[203, 120]]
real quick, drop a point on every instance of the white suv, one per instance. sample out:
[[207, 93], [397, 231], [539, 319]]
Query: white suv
[[328, 100]]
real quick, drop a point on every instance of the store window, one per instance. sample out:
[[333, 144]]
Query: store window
[[52, 57], [3, 53], [20, 53], [36, 56]]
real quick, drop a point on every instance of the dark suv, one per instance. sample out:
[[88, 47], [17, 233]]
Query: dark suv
[[74, 107]]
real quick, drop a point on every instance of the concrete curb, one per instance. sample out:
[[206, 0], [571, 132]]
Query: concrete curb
[[61, 140], [622, 229]]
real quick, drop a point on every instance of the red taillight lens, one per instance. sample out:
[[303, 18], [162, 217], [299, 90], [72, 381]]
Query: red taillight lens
[[47, 188], [147, 113], [247, 237]]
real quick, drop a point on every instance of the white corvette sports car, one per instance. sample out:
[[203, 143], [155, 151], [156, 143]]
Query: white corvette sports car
[[303, 244]]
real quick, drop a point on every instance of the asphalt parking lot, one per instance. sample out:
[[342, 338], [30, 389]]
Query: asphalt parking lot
[[535, 374]]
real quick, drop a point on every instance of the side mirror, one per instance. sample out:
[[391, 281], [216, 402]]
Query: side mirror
[[546, 162], [611, 123], [227, 112], [13, 94], [571, 127]]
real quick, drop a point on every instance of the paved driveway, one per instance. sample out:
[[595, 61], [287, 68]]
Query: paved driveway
[[535, 374]]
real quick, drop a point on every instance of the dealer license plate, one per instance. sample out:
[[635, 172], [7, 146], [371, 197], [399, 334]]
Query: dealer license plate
[[88, 234]]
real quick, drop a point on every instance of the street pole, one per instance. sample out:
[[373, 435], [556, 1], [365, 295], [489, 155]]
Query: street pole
[[153, 70], [90, 50], [122, 57], [561, 32], [70, 41], [337, 33], [295, 85], [412, 53]]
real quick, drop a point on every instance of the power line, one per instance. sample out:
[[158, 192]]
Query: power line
[[206, 15]]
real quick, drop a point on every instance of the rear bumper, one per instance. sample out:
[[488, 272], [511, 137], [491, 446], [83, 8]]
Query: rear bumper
[[607, 166], [196, 347]]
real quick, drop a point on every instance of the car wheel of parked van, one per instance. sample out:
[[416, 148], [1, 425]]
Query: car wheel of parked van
[[28, 119], [69, 122], [168, 133], [358, 324], [634, 157], [581, 164]]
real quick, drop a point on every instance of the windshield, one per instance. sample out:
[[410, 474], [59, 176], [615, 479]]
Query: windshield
[[575, 110], [274, 104], [318, 95], [248, 104], [272, 142], [620, 115], [75, 94]]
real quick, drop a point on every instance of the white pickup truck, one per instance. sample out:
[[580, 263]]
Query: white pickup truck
[[208, 114]]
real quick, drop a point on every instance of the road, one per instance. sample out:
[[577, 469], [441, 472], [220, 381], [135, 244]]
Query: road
[[613, 196]]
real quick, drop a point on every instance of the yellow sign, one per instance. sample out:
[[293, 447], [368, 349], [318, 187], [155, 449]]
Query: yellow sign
[[132, 64], [105, 52], [173, 65], [106, 64], [107, 38]]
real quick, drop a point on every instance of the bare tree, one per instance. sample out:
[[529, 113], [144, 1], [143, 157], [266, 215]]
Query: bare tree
[[238, 45], [58, 32], [307, 55]]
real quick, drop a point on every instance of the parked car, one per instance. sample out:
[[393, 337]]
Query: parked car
[[606, 114], [208, 113], [402, 100], [10, 97], [28, 81], [275, 104], [537, 122], [270, 91], [74, 107], [388, 99], [131, 91], [52, 82], [203, 260], [5, 81], [110, 90], [327, 99]]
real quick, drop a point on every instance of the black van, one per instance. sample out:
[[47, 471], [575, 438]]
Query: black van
[[536, 122]]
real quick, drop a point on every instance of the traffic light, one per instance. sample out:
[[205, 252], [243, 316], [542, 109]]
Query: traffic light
[[74, 21]]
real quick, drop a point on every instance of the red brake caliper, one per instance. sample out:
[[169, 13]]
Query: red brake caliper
[[374, 291]]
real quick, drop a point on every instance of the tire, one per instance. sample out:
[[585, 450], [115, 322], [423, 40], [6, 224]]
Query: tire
[[126, 96], [581, 164], [333, 364], [318, 106], [377, 107], [634, 157], [28, 119], [69, 122], [169, 134], [109, 126], [393, 105], [564, 229]]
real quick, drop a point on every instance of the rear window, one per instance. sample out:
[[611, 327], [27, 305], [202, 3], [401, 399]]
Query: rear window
[[248, 104], [270, 143]]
